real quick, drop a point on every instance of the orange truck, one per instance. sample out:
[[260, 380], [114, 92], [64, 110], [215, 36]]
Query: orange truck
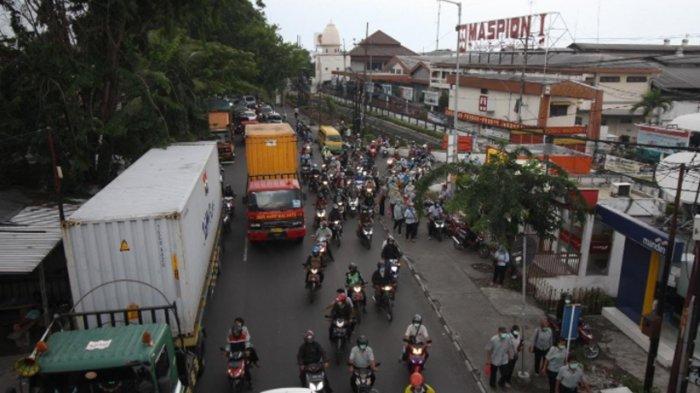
[[273, 194], [220, 126]]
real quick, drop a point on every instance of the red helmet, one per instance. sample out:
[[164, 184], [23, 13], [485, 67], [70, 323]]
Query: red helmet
[[416, 379]]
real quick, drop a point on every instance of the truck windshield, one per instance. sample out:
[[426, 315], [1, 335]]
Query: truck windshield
[[114, 380], [274, 200]]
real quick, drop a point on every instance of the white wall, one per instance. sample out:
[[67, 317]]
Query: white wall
[[325, 65], [615, 93], [563, 121], [680, 108], [501, 103]]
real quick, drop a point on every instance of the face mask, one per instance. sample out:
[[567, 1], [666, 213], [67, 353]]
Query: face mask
[[562, 346], [574, 366], [516, 333], [504, 336], [363, 347]]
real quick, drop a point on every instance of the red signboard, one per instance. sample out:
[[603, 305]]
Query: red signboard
[[465, 143], [489, 121], [570, 239], [506, 29], [483, 103]]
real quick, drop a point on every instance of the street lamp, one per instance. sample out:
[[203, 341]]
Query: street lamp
[[452, 140]]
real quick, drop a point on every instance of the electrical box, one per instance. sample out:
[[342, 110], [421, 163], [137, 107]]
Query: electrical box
[[621, 189]]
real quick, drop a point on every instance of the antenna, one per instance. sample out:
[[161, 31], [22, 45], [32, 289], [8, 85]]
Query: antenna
[[437, 34]]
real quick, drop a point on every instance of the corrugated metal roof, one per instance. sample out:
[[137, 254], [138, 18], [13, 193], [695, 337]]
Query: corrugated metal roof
[[160, 182], [29, 237]]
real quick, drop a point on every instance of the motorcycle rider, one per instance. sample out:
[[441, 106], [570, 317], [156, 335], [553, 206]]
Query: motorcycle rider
[[324, 232], [334, 165], [354, 277], [238, 341], [417, 385], [252, 353], [311, 352], [380, 278], [335, 214], [314, 261], [365, 219], [390, 250], [362, 356], [228, 192], [416, 333], [435, 212], [341, 309]]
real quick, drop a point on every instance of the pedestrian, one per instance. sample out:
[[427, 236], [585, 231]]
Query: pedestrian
[[570, 377], [542, 340], [555, 358], [517, 342], [398, 215], [382, 198], [411, 219], [499, 351], [394, 194], [502, 258]]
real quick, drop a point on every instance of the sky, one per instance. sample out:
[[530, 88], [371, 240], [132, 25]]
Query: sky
[[414, 22]]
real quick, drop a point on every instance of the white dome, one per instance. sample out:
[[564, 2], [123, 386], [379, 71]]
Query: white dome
[[330, 36], [689, 122]]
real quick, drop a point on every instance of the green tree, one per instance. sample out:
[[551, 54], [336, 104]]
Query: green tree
[[653, 103], [503, 195], [443, 101]]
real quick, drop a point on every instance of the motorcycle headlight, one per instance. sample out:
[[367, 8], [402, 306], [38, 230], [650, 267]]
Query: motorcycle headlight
[[340, 203], [394, 269], [336, 222], [340, 323], [357, 289], [325, 182], [387, 288], [417, 351], [367, 231], [316, 387], [314, 271]]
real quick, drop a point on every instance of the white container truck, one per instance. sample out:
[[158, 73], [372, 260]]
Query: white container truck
[[157, 223]]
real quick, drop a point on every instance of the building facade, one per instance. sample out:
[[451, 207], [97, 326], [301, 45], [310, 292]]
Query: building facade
[[328, 57]]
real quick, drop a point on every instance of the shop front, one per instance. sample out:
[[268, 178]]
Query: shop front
[[643, 251]]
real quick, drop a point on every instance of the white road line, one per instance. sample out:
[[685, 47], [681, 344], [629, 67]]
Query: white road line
[[245, 251]]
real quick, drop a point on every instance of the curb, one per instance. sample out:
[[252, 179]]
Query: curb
[[474, 372]]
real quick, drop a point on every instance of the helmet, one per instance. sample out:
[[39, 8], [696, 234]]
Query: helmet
[[380, 264], [362, 340], [315, 166], [335, 206], [417, 319], [390, 239], [341, 298], [309, 336], [315, 250], [352, 267], [416, 379], [324, 223]]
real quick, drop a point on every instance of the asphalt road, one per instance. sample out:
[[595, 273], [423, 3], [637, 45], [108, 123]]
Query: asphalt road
[[265, 285]]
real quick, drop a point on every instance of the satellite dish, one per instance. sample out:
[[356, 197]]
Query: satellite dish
[[667, 176]]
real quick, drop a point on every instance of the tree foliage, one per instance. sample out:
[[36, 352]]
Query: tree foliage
[[113, 78], [503, 195], [653, 102]]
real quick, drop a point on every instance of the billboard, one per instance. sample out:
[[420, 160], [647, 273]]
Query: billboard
[[431, 98], [406, 93], [661, 137], [500, 32], [386, 89]]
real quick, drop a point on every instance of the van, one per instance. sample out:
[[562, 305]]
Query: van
[[330, 137]]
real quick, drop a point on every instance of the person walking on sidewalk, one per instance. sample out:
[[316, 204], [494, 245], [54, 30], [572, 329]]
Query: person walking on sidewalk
[[570, 377], [397, 213], [502, 258], [517, 342], [543, 339], [555, 358], [411, 217], [499, 351]]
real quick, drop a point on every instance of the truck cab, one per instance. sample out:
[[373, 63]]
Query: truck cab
[[131, 358], [275, 210]]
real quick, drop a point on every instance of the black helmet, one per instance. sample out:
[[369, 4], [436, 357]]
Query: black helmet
[[417, 319], [362, 340], [352, 267]]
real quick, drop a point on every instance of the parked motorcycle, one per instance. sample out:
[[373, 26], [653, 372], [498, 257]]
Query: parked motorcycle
[[591, 349], [315, 378], [386, 301]]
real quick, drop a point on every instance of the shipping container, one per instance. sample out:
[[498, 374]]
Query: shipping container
[[271, 150], [157, 222], [219, 120]]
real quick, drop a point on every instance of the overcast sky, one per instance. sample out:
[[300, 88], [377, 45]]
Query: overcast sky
[[413, 22]]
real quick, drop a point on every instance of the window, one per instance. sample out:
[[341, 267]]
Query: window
[[558, 110], [636, 79], [609, 79], [578, 120], [484, 91], [590, 81], [626, 120]]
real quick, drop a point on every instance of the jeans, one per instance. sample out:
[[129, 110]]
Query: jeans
[[411, 230], [552, 378], [382, 201], [398, 224], [539, 358], [499, 274], [503, 370], [511, 368]]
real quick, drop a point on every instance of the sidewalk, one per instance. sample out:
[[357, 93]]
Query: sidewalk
[[456, 282]]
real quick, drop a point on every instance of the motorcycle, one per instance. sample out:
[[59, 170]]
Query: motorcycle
[[341, 206], [322, 245], [337, 228], [365, 234], [353, 205], [237, 368], [362, 380], [313, 281], [339, 338], [417, 356], [438, 227], [591, 349], [305, 173], [394, 266], [357, 294], [315, 182], [315, 376], [320, 216], [386, 301], [228, 213], [306, 149]]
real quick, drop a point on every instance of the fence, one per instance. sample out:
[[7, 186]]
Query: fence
[[549, 298]]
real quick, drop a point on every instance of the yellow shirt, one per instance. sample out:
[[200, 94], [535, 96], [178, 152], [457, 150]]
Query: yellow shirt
[[428, 389]]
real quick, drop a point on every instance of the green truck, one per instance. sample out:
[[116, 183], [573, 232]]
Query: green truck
[[124, 352]]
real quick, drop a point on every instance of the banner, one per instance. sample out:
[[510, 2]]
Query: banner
[[406, 93], [501, 32], [622, 165], [431, 98], [438, 118], [386, 89]]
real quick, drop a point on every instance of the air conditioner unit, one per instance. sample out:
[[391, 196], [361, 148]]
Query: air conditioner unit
[[621, 189]]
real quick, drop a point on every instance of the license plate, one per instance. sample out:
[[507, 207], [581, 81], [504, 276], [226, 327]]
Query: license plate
[[277, 230]]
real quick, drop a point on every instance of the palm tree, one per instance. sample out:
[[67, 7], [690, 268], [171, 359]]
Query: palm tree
[[653, 102]]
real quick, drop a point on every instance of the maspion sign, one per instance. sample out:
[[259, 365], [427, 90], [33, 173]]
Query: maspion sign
[[501, 31]]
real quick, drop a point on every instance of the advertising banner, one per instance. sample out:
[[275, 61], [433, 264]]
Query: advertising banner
[[406, 93], [499, 32], [622, 165], [431, 98]]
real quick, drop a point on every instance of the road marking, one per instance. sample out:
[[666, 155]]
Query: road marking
[[245, 250]]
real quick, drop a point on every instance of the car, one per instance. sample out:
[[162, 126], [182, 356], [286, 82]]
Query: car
[[264, 111], [249, 101], [246, 115], [274, 117]]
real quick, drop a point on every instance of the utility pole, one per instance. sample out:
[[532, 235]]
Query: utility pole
[[660, 296], [452, 139], [57, 175], [364, 85], [437, 33], [685, 345]]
